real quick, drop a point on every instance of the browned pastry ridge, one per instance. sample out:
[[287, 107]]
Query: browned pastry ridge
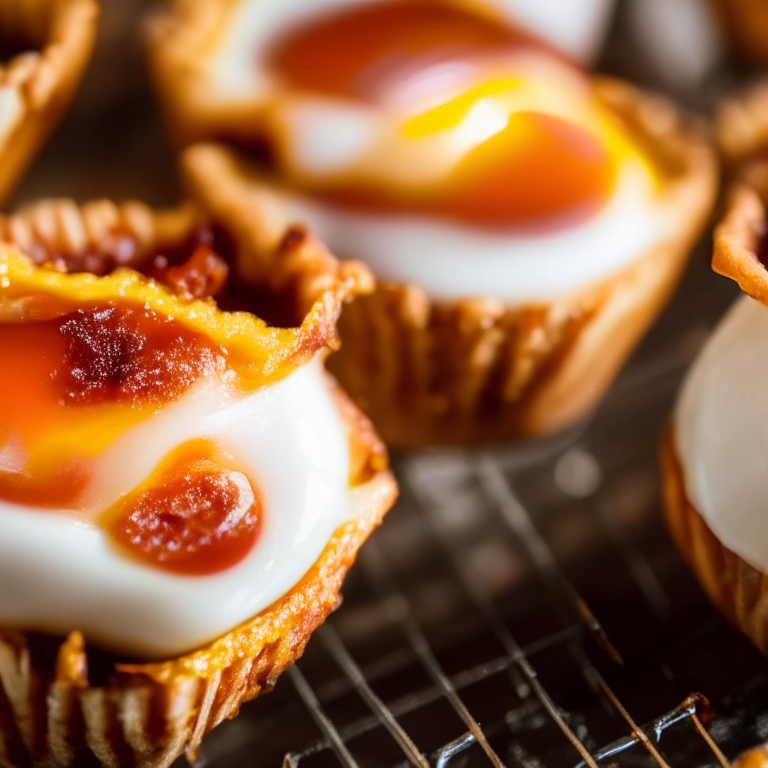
[[147, 714], [433, 372], [44, 48]]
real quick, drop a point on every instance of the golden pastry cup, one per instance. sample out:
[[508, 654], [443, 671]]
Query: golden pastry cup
[[52, 41], [737, 589], [742, 133], [742, 137], [177, 42], [147, 714], [456, 372]]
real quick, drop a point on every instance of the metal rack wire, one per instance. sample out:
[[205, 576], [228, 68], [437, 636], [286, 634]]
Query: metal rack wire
[[475, 632]]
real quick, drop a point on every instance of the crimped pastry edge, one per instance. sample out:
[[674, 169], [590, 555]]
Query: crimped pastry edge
[[45, 80], [742, 124], [290, 262], [739, 236]]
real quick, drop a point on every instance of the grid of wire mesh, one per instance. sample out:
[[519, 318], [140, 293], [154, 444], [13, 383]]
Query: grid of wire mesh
[[523, 606]]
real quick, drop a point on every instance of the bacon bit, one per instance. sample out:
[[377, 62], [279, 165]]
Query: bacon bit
[[124, 354], [204, 274], [197, 516]]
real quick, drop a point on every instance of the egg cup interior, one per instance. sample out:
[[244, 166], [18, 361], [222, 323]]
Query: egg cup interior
[[44, 48], [63, 703], [476, 369], [737, 589]]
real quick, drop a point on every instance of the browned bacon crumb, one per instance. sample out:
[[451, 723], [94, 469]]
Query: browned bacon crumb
[[126, 354]]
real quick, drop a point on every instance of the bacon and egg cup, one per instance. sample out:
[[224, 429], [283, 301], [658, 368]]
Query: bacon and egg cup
[[182, 485], [524, 220]]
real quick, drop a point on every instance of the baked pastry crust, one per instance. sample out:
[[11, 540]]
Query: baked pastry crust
[[177, 40], [742, 136], [735, 587], [435, 372], [739, 236], [147, 714], [59, 36]]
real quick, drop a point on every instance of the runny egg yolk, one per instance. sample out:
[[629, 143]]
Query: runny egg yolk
[[539, 169], [521, 164], [69, 386]]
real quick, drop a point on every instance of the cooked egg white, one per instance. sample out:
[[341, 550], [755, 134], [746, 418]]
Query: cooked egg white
[[453, 261], [721, 432], [60, 572]]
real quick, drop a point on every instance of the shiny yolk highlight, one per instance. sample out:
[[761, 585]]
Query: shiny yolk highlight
[[71, 385], [538, 170], [198, 514], [539, 167], [531, 168]]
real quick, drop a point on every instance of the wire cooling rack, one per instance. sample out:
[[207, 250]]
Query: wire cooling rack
[[522, 605]]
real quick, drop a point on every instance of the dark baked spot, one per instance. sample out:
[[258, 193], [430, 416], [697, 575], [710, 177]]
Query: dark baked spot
[[125, 354], [190, 524], [203, 275]]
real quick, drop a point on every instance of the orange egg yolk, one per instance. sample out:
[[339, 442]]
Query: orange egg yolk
[[69, 386], [198, 514], [351, 54], [538, 169]]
